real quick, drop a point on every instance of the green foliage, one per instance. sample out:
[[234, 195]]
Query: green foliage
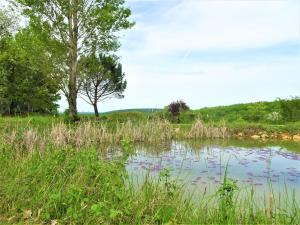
[[71, 185], [261, 112], [188, 117], [101, 78], [226, 194], [45, 186], [275, 112], [274, 117], [290, 109], [255, 112], [97, 21], [123, 117], [26, 82], [142, 110], [128, 147], [81, 28], [5, 24], [169, 185], [80, 187], [176, 112], [185, 117], [8, 27]]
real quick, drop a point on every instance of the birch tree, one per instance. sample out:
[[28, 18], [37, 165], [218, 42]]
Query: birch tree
[[82, 27]]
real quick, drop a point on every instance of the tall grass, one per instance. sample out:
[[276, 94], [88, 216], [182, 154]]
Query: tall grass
[[77, 186], [56, 174], [201, 130], [92, 134]]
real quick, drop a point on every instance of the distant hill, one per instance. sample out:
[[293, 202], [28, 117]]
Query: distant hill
[[143, 110], [275, 111]]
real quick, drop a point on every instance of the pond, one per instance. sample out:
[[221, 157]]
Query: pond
[[270, 166]]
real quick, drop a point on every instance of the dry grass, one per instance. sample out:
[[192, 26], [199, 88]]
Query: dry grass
[[30, 139], [88, 134], [59, 135], [200, 130]]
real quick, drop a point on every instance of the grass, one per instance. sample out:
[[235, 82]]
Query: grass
[[55, 172], [237, 118], [41, 131], [80, 186], [250, 118], [38, 133], [252, 128]]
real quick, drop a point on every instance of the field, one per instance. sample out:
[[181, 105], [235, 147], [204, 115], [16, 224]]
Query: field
[[61, 173]]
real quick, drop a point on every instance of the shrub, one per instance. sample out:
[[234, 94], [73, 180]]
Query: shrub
[[175, 108]]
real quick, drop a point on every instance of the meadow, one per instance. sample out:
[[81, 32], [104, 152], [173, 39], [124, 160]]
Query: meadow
[[56, 172], [236, 164]]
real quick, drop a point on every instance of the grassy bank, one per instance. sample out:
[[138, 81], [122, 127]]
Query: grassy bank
[[276, 117], [32, 134], [81, 186], [242, 120], [56, 130], [279, 119], [56, 172]]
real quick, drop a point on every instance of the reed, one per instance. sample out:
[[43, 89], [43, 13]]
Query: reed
[[88, 134], [201, 130]]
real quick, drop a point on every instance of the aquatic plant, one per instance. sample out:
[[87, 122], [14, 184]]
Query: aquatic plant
[[226, 194], [165, 177]]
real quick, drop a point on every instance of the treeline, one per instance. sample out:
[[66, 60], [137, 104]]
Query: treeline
[[281, 110], [60, 47], [27, 81], [290, 109]]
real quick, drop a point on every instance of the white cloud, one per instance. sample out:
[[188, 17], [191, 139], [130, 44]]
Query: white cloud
[[159, 67], [220, 84], [201, 25]]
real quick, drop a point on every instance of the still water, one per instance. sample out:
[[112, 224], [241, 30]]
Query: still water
[[201, 165]]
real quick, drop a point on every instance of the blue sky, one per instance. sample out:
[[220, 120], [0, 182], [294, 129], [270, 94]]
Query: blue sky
[[208, 53]]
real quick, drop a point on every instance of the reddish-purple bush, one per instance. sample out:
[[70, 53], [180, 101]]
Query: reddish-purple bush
[[176, 107]]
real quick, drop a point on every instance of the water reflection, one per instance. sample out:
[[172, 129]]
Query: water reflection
[[202, 164]]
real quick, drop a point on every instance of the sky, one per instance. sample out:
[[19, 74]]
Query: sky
[[208, 53]]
